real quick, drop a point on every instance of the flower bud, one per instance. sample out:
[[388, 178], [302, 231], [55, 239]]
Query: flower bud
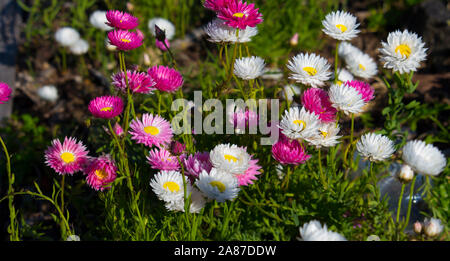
[[418, 227], [177, 148], [147, 61], [433, 227], [160, 34], [406, 174], [130, 6], [294, 40]]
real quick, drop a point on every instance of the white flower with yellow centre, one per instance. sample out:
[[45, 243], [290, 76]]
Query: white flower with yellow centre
[[345, 98], [168, 185], [424, 158], [230, 158], [299, 123], [248, 68], [403, 52], [375, 147], [218, 184], [219, 32], [344, 76], [361, 65], [327, 135], [309, 69], [340, 25]]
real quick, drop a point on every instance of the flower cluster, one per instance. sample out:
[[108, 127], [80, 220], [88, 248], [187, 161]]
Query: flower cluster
[[121, 36]]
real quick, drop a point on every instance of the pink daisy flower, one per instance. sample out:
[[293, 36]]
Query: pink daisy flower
[[167, 79], [161, 45], [363, 88], [106, 107], [216, 5], [195, 164], [249, 175], [316, 100], [124, 40], [121, 20], [5, 92], [162, 159], [66, 158], [101, 172], [139, 82], [288, 151], [240, 15], [152, 130]]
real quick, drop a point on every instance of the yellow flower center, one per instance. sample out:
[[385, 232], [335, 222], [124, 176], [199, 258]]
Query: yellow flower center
[[324, 133], [106, 109], [300, 123], [362, 67], [151, 130], [101, 174], [339, 83], [67, 157], [125, 40], [238, 15], [310, 70], [172, 186], [404, 50], [219, 185], [230, 158], [341, 27]]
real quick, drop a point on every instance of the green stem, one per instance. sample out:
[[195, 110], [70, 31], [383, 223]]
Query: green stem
[[400, 199], [411, 193], [322, 176], [285, 183], [336, 57]]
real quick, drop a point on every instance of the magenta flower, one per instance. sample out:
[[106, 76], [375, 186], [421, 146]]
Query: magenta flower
[[363, 88], [152, 130], [139, 82], [240, 15], [195, 164], [161, 45], [5, 92], [162, 159], [167, 79], [121, 20], [288, 151], [177, 148], [101, 172], [216, 5], [66, 158], [124, 40], [249, 175], [106, 107], [316, 100]]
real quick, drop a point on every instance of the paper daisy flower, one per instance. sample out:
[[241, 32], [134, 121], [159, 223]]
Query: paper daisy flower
[[106, 107], [340, 25], [346, 50], [66, 36], [48, 93], [124, 40], [98, 20], [361, 65], [327, 136], [344, 76], [167, 79], [288, 151], [162, 159], [238, 14], [403, 52], [197, 202], [230, 158], [424, 158], [101, 172], [121, 20], [375, 147], [5, 92], [152, 130], [249, 175], [195, 164], [346, 98], [218, 184], [363, 88], [299, 123], [316, 100], [79, 47], [433, 227], [248, 68], [168, 186], [164, 25], [405, 174], [309, 69], [313, 231], [139, 82], [66, 158], [216, 5], [219, 32]]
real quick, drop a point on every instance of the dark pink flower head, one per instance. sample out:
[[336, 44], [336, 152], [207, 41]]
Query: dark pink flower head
[[124, 40], [121, 20], [240, 15], [288, 151], [363, 88], [161, 45], [101, 172], [249, 175], [5, 92], [316, 100], [195, 164], [177, 148], [162, 159], [216, 5], [139, 82], [167, 79], [66, 158], [151, 130], [106, 107]]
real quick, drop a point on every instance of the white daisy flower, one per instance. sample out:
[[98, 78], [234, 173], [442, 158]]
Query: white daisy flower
[[424, 158], [168, 185], [219, 32], [433, 227], [346, 50], [73, 238], [403, 52], [218, 184], [66, 36], [340, 25], [299, 124], [79, 47], [164, 25], [346, 99], [375, 147], [313, 231], [344, 76], [327, 135], [197, 202], [248, 68], [48, 93], [405, 174], [309, 69], [361, 65], [230, 158], [98, 20]]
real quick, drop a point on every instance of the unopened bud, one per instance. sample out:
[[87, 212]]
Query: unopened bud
[[294, 40], [433, 227], [406, 174], [130, 6], [160, 34], [147, 61], [418, 227]]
